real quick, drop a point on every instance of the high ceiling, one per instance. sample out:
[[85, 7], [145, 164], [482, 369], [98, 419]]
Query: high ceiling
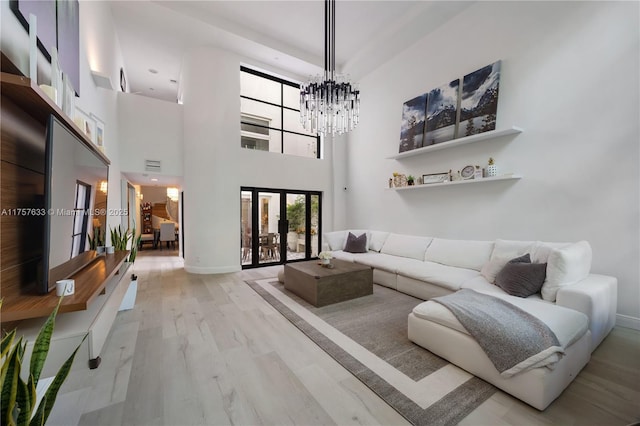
[[287, 36]]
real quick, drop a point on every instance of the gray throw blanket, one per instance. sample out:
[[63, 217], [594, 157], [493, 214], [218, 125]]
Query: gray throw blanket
[[513, 339]]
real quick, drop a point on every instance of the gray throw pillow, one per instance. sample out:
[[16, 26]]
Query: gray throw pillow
[[522, 278], [356, 244]]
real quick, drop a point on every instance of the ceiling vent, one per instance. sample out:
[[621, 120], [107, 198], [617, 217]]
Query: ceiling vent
[[152, 165]]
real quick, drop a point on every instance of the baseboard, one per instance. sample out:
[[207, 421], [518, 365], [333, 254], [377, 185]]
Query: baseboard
[[627, 321], [212, 269]]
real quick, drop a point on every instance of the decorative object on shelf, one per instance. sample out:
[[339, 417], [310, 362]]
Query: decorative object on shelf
[[390, 182], [468, 172], [50, 91], [477, 173], [329, 104], [68, 96], [412, 126], [419, 180], [325, 257], [442, 104], [65, 287], [479, 103], [85, 123], [99, 134], [454, 176], [410, 180], [435, 178], [56, 77], [399, 180], [492, 169], [19, 406]]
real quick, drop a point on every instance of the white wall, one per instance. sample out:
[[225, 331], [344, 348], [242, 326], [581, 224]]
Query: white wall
[[150, 129], [215, 166], [570, 80]]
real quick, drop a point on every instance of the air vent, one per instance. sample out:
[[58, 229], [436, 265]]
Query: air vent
[[152, 165]]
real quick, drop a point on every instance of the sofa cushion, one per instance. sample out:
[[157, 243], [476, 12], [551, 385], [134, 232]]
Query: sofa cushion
[[461, 253], [566, 266], [449, 277], [335, 239], [520, 277], [406, 246], [377, 240], [384, 262], [356, 244]]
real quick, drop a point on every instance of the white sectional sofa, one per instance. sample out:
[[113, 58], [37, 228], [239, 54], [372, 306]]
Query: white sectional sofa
[[578, 306]]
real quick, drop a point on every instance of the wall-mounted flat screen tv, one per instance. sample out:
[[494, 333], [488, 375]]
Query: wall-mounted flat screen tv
[[76, 179]]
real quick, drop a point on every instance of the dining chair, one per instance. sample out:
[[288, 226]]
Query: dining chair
[[168, 233]]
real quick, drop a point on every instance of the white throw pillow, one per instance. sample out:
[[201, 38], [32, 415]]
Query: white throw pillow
[[406, 246], [541, 250], [566, 266], [511, 248], [335, 239], [461, 253], [493, 266], [377, 240]]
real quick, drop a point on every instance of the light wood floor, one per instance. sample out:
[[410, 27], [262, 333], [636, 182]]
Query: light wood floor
[[206, 349]]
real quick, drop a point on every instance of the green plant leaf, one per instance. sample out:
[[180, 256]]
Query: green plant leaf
[[7, 341], [25, 402], [9, 384], [52, 392], [39, 418], [41, 345]]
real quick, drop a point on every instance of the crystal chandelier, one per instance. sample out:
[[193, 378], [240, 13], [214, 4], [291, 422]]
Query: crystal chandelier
[[330, 104]]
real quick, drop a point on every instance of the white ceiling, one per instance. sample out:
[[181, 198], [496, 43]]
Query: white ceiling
[[283, 35]]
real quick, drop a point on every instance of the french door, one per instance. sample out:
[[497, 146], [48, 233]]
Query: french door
[[279, 225]]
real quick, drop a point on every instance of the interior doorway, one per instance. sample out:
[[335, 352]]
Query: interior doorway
[[279, 225]]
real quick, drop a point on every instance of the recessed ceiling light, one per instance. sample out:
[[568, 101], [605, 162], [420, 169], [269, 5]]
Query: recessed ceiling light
[[173, 81], [154, 179], [153, 71], [151, 88]]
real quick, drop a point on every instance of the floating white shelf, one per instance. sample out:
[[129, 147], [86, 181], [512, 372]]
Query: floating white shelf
[[493, 134], [458, 182]]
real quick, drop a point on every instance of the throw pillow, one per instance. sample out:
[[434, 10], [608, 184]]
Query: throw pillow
[[356, 244], [522, 278], [566, 266]]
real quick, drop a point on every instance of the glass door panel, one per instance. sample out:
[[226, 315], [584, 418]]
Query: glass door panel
[[269, 237], [296, 231], [315, 225], [246, 230]]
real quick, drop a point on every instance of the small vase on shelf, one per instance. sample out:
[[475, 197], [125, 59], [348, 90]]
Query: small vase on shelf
[[492, 169]]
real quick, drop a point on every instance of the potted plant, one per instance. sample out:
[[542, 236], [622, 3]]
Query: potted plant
[[325, 257], [410, 180], [119, 238], [19, 396], [97, 239]]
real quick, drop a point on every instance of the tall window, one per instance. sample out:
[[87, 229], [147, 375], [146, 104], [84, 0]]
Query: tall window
[[270, 116]]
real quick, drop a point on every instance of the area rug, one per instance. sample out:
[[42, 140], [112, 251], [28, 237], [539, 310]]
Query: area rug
[[368, 337]]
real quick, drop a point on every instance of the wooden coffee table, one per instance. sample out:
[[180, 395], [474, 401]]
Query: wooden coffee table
[[322, 286]]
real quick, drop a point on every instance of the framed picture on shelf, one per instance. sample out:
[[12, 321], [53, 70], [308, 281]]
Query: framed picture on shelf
[[86, 123], [435, 178], [99, 139]]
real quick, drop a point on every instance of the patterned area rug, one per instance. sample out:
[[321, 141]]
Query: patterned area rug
[[368, 336]]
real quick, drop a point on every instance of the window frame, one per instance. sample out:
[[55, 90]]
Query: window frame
[[282, 108]]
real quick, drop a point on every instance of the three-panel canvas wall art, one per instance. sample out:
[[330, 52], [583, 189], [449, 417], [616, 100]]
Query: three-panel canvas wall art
[[452, 110]]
